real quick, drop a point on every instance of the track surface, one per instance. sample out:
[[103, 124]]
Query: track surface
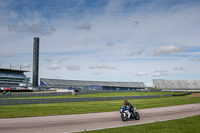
[[81, 122]]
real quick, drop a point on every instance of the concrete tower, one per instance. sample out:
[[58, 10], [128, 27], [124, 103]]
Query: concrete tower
[[35, 61]]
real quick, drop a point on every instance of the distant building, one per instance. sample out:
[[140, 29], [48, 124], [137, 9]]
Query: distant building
[[90, 85], [13, 78], [177, 84]]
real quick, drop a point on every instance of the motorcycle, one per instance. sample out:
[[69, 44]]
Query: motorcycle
[[126, 114]]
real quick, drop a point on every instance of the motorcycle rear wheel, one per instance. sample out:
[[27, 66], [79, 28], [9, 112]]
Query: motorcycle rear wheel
[[137, 116]]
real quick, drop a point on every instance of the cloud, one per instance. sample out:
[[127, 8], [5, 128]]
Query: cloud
[[58, 61], [196, 58], [54, 67], [166, 50], [180, 68], [139, 52], [85, 26], [96, 73], [63, 60], [159, 73], [110, 44], [73, 67], [136, 23], [27, 65], [37, 28], [102, 25], [142, 73], [98, 66], [131, 54], [48, 60], [8, 54]]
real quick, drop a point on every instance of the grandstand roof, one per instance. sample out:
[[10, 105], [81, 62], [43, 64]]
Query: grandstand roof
[[12, 70], [12, 73], [59, 82]]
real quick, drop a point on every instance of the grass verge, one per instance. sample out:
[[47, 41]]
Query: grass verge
[[14, 111], [184, 125]]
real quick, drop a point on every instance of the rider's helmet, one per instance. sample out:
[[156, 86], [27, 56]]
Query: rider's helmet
[[125, 102]]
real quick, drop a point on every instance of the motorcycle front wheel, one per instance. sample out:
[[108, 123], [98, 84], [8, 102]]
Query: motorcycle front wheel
[[124, 117]]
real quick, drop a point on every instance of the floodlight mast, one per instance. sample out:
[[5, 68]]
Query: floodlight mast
[[35, 62]]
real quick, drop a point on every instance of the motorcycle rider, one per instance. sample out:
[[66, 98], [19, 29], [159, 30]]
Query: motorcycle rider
[[129, 106]]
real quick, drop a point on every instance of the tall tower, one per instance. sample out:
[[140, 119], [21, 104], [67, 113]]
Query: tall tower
[[35, 61]]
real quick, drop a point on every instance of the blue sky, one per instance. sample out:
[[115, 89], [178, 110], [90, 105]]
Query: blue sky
[[103, 40]]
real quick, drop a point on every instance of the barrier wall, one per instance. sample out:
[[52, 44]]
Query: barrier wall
[[65, 100], [46, 94]]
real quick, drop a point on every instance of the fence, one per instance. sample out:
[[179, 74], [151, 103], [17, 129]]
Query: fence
[[44, 94], [65, 100], [112, 91]]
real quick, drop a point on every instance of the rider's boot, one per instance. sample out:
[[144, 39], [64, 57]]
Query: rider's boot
[[129, 114]]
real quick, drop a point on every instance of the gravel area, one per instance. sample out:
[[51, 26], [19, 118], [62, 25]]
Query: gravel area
[[194, 95]]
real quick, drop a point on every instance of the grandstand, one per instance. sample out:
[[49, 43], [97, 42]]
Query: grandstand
[[13, 78], [91, 85], [177, 84]]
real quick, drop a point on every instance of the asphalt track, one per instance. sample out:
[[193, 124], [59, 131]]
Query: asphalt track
[[93, 121]]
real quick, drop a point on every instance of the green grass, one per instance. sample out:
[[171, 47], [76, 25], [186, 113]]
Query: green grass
[[117, 94], [15, 111], [184, 125]]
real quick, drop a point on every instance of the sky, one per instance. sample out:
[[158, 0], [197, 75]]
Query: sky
[[103, 40]]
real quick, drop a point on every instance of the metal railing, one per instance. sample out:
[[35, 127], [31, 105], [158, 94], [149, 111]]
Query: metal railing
[[65, 100], [47, 94], [44, 94]]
